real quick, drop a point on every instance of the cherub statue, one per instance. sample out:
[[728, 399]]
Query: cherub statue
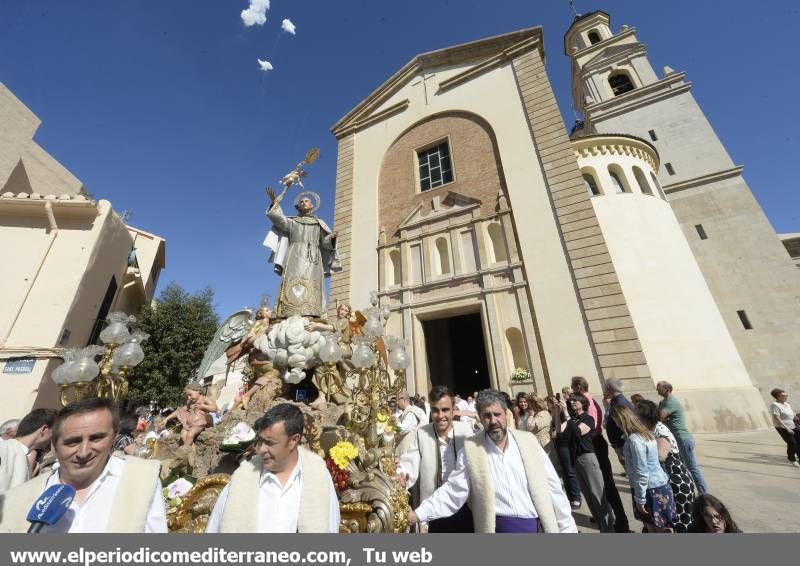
[[194, 416]]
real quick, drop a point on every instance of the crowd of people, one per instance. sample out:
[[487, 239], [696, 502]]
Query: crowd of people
[[484, 463], [651, 441]]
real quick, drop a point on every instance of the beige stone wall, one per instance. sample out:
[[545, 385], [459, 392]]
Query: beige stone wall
[[477, 171], [594, 279], [747, 268]]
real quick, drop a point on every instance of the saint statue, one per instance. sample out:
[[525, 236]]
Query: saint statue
[[303, 251]]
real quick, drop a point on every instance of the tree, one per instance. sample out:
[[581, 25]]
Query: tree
[[180, 326]]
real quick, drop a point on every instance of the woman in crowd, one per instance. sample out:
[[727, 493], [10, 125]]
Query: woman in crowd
[[787, 424], [562, 450], [540, 422], [578, 428], [522, 411], [711, 516], [653, 503], [680, 480]]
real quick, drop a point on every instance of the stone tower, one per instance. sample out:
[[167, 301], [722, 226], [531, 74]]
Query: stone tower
[[751, 277]]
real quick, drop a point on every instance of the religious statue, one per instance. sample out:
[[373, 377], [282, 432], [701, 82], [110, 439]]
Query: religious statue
[[194, 416], [303, 250]]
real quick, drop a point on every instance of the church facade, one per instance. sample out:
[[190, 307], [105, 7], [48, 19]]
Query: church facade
[[502, 244]]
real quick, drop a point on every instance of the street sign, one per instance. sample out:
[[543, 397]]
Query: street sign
[[19, 365]]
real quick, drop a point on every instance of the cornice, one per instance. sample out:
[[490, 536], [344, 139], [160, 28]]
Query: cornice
[[642, 96], [704, 180], [615, 145], [456, 54], [595, 65], [602, 44], [492, 63]]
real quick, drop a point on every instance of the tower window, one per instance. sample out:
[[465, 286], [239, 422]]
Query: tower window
[[701, 231], [745, 321], [591, 185], [616, 180], [644, 186], [653, 136], [670, 169], [620, 83], [594, 37], [435, 168]]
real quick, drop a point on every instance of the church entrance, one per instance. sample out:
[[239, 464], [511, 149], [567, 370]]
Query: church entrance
[[457, 353]]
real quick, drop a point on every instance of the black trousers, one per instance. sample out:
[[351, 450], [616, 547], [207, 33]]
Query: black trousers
[[611, 493], [792, 440], [461, 522]]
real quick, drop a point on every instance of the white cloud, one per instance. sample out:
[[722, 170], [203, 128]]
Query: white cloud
[[264, 65], [288, 26], [256, 14]]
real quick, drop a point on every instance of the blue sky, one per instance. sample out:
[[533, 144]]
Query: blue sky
[[160, 107]]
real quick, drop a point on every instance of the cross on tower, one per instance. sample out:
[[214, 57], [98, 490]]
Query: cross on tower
[[424, 84]]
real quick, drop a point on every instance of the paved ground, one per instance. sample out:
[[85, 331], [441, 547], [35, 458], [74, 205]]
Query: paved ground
[[748, 471]]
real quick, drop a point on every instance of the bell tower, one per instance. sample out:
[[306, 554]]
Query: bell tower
[[751, 277]]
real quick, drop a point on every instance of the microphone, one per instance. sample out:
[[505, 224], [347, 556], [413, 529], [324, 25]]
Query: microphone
[[50, 507]]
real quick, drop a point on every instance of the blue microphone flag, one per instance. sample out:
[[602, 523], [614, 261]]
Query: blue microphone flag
[[52, 504]]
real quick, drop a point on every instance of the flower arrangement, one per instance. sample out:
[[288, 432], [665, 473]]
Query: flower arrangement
[[338, 460], [342, 454], [520, 374], [385, 424], [176, 491]]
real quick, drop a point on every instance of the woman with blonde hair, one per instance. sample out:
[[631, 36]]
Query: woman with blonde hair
[[540, 422], [653, 503]]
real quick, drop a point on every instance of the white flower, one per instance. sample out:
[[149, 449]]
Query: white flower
[[179, 488]]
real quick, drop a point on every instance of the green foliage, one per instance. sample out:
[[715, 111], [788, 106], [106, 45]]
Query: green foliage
[[180, 326]]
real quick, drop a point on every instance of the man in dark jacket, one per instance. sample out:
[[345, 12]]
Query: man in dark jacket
[[612, 392]]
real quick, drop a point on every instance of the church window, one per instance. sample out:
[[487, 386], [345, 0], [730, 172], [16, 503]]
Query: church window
[[395, 274], [435, 167], [653, 136], [744, 320], [644, 186], [620, 83], [443, 263], [701, 231], [498, 244], [591, 184], [616, 180], [670, 169], [658, 187], [416, 263], [594, 37], [517, 346]]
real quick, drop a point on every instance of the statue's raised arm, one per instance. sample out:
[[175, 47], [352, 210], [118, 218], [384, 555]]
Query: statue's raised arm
[[303, 249]]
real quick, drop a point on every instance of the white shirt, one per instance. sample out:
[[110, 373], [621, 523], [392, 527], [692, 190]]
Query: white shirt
[[278, 505], [512, 498], [410, 461], [782, 415], [410, 419], [93, 515], [14, 466], [463, 405]]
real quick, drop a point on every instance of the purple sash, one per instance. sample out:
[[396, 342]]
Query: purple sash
[[515, 525]]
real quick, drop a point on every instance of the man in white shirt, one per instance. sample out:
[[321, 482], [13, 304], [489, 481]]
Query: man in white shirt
[[465, 411], [18, 454], [410, 417], [785, 421], [284, 489], [508, 479], [112, 494], [429, 456]]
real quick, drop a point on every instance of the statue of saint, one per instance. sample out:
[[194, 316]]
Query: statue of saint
[[303, 251]]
